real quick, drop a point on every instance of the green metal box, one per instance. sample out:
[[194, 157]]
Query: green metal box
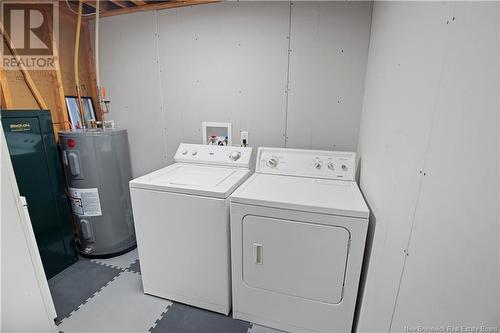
[[33, 150]]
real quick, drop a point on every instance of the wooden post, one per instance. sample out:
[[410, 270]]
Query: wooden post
[[5, 96], [91, 71], [60, 117]]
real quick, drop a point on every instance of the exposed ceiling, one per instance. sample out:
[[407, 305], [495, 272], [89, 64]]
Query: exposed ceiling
[[120, 7]]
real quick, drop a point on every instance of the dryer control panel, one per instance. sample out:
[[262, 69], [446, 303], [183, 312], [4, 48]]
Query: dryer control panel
[[214, 155], [307, 163]]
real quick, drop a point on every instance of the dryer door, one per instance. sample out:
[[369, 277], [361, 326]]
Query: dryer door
[[295, 258]]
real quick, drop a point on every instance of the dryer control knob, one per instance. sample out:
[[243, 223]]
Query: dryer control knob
[[272, 162], [235, 155], [184, 151], [344, 167], [317, 165], [194, 152], [331, 166]]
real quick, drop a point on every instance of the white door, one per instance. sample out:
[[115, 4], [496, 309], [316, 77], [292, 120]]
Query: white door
[[305, 260]]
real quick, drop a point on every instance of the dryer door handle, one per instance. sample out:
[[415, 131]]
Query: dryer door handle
[[257, 253]]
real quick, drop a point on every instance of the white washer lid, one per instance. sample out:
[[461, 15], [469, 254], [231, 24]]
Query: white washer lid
[[196, 179], [325, 196]]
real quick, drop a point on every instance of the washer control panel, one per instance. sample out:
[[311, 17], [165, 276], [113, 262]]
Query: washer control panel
[[307, 163], [217, 155]]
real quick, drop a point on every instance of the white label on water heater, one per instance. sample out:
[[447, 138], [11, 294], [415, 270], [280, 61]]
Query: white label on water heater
[[85, 201]]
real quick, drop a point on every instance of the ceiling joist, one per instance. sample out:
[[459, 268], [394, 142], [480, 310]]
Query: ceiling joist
[[119, 3], [121, 7], [138, 2]]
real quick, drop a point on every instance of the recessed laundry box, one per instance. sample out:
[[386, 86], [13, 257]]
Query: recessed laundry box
[[298, 229]]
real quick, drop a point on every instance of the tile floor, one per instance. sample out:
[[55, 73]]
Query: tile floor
[[105, 295]]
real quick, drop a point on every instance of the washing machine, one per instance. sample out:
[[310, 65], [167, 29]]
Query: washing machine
[[181, 215], [298, 230]]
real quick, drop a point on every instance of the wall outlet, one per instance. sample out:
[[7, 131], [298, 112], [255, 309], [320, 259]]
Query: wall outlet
[[244, 138]]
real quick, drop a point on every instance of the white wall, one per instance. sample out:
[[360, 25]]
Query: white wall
[[224, 62], [429, 166], [329, 44], [168, 71], [129, 67]]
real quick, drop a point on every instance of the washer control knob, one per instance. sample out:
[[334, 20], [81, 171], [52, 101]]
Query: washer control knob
[[184, 151], [317, 165], [194, 152], [272, 162], [344, 167], [235, 155], [331, 166]]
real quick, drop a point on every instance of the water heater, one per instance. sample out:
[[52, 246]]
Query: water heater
[[97, 168]]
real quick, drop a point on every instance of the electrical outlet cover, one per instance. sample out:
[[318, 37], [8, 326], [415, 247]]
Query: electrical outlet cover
[[244, 136]]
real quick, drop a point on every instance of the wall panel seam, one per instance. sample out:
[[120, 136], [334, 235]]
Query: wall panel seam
[[423, 171], [160, 88], [287, 92]]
